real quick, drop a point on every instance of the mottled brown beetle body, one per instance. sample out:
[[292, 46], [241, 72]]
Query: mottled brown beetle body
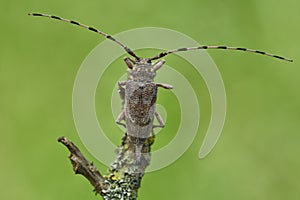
[[139, 94], [140, 99]]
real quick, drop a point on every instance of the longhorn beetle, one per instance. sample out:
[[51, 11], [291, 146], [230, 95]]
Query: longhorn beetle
[[139, 91]]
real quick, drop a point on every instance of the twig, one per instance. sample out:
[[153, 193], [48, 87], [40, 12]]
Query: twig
[[124, 175], [82, 166]]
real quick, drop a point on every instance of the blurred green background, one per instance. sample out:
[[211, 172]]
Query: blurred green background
[[257, 156]]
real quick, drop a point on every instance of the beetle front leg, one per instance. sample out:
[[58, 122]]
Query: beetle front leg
[[120, 118], [130, 63], [157, 65]]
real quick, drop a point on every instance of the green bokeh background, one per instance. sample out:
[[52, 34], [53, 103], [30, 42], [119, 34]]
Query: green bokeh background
[[257, 156]]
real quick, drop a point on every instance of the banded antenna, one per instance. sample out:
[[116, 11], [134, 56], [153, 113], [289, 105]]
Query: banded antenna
[[162, 54], [128, 50]]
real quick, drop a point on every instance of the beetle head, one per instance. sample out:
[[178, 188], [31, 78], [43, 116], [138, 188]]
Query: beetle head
[[142, 70]]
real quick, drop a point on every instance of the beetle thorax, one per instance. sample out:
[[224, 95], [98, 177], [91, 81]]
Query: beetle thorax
[[142, 72]]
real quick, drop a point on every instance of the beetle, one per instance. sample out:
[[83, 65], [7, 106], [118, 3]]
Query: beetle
[[139, 91]]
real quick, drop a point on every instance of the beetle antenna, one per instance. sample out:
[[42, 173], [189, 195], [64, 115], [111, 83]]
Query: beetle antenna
[[128, 50], [162, 54]]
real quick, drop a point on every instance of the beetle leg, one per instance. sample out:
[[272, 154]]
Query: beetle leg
[[121, 89], [120, 118], [157, 65], [130, 63], [165, 86], [160, 121]]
